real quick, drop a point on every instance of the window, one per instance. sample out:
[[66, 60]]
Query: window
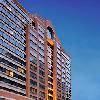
[[33, 75], [1, 41], [33, 60], [33, 45], [41, 28], [41, 34], [58, 46], [41, 52], [50, 67], [33, 24], [41, 65], [50, 85], [41, 86], [41, 46], [58, 76], [34, 34], [58, 83], [50, 98], [58, 61], [50, 73], [59, 66], [34, 68], [50, 55], [33, 83], [50, 79], [41, 59], [58, 71], [33, 52], [58, 56], [42, 80], [8, 63], [49, 49], [50, 92], [33, 39], [21, 70], [42, 94], [41, 40], [63, 70], [33, 97], [33, 90], [42, 73], [12, 83], [9, 73], [1, 24]]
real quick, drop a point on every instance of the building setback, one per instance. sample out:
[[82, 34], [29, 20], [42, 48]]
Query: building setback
[[33, 64]]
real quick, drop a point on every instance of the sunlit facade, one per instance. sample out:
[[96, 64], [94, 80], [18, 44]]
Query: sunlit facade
[[33, 64]]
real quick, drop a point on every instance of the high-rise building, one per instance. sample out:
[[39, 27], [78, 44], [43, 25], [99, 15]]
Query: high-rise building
[[33, 64]]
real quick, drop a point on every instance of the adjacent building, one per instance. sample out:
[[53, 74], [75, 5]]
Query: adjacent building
[[33, 64]]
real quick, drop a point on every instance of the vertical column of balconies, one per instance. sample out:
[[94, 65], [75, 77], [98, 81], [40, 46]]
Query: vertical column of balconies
[[37, 59], [51, 58], [33, 63], [41, 60], [66, 77], [50, 72], [59, 72], [63, 79]]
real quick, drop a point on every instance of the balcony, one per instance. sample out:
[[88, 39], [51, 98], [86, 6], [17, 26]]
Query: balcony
[[50, 41]]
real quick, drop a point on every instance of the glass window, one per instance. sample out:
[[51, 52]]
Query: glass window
[[41, 40], [33, 90], [41, 59], [41, 86], [42, 94], [41, 65], [50, 92], [34, 34], [41, 34], [42, 80], [50, 79], [40, 27], [33, 39], [50, 73], [58, 71], [41, 46], [0, 42], [50, 85], [1, 25], [34, 68], [33, 83], [33, 60], [58, 46], [42, 73], [1, 33], [33, 75], [33, 45]]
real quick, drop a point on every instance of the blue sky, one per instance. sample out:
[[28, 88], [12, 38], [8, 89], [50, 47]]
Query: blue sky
[[77, 23]]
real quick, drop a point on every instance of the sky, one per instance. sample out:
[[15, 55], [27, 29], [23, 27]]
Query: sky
[[77, 23]]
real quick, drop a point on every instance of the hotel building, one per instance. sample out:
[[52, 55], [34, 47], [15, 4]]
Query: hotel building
[[33, 64]]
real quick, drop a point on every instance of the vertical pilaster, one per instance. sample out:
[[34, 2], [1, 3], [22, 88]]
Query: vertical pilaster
[[27, 62], [55, 72]]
